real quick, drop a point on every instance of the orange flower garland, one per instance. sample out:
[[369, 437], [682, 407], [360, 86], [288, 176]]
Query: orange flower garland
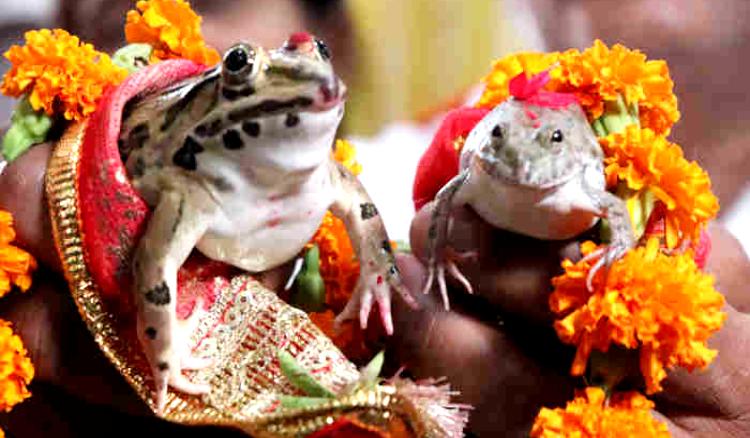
[[662, 304], [627, 415], [644, 160], [503, 70], [596, 75], [16, 370], [59, 73], [172, 28], [15, 263]]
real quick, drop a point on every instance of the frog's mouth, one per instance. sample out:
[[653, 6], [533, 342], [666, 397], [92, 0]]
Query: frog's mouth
[[332, 93]]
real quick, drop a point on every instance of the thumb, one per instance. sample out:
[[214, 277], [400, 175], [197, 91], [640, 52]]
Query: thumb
[[22, 194]]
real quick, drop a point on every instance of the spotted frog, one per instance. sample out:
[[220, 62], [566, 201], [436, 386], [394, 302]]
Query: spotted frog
[[237, 164]]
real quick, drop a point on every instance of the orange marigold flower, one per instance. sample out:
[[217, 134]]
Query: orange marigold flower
[[15, 264], [503, 70], [350, 339], [172, 28], [596, 75], [59, 73], [662, 304], [590, 416], [346, 154], [644, 159], [600, 74], [338, 262], [16, 370]]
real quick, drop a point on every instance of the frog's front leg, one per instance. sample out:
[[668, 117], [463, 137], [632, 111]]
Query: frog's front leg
[[615, 210], [378, 270], [173, 230], [437, 237]]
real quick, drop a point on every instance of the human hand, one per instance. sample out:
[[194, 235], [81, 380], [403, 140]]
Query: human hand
[[499, 349]]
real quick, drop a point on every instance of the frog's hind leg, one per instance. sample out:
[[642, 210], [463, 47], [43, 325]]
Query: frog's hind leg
[[173, 230], [439, 257]]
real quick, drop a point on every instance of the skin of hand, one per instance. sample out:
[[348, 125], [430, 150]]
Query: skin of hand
[[497, 347]]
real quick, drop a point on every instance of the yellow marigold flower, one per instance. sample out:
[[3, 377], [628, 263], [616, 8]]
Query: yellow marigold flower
[[505, 69], [346, 154], [600, 73], [172, 28], [664, 305], [16, 370], [644, 159], [15, 264], [626, 415], [59, 73]]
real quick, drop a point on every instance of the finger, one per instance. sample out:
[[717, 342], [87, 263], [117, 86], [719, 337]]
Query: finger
[[729, 264], [479, 360], [22, 194], [721, 390]]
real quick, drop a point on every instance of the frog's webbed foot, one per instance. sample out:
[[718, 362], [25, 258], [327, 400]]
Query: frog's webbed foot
[[375, 285], [605, 258], [169, 356], [445, 260]]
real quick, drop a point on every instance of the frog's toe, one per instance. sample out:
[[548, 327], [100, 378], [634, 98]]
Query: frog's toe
[[181, 383], [351, 311], [160, 392], [196, 363], [460, 277]]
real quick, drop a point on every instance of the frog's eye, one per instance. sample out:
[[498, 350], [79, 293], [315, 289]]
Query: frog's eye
[[497, 131], [557, 136], [237, 59], [323, 49]]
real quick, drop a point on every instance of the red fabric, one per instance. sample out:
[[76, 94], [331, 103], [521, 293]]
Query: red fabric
[[112, 215], [440, 161], [531, 91], [656, 227]]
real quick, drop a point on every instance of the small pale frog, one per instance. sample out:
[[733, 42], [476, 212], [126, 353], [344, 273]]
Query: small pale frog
[[532, 169], [237, 163]]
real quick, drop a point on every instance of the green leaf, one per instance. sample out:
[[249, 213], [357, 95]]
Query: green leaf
[[15, 142], [295, 402], [132, 57], [300, 378], [371, 371], [27, 128], [310, 293]]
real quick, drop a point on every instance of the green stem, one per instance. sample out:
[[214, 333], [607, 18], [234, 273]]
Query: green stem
[[617, 116]]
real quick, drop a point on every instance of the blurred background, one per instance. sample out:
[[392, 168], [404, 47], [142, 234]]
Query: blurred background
[[406, 62]]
